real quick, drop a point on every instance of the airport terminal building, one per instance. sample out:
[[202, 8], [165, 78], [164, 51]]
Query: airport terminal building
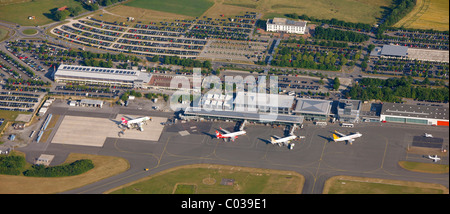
[[313, 109], [415, 114], [253, 107]]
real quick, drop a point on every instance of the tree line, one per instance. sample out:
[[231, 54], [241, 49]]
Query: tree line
[[186, 62], [394, 89], [332, 21], [398, 10], [339, 35], [15, 165]]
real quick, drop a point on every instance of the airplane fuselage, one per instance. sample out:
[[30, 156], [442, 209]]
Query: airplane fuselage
[[283, 140], [230, 135], [348, 137]]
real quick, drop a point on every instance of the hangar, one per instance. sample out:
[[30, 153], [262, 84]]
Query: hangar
[[414, 114]]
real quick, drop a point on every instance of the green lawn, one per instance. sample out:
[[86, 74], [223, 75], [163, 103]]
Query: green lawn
[[192, 8], [29, 31], [19, 12], [360, 185], [208, 181]]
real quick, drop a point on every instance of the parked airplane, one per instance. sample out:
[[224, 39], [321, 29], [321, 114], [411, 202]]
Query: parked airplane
[[349, 138], [435, 158], [285, 140], [428, 135], [231, 135], [135, 122]]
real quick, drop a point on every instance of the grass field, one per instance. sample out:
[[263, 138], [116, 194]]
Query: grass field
[[4, 33], [424, 167], [206, 179], [19, 12], [105, 166], [359, 185], [29, 31], [145, 10], [427, 14], [364, 11], [189, 8]]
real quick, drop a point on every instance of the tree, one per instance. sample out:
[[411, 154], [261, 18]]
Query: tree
[[336, 83], [364, 65]]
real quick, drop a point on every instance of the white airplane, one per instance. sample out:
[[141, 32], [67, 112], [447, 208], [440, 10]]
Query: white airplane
[[428, 135], [231, 135], [435, 158], [136, 122], [285, 140], [349, 138]]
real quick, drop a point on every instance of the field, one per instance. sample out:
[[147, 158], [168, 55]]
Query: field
[[358, 185], [208, 179], [4, 33], [192, 8], [424, 167], [427, 14], [368, 11], [19, 12]]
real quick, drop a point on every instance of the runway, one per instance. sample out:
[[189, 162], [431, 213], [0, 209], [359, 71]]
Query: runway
[[316, 157]]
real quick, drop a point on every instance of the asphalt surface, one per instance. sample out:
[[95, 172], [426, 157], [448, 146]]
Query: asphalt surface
[[316, 157]]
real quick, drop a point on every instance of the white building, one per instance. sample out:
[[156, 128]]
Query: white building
[[286, 25], [415, 114], [101, 76]]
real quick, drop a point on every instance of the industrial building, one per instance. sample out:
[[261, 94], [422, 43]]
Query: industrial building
[[101, 76], [414, 114], [286, 25]]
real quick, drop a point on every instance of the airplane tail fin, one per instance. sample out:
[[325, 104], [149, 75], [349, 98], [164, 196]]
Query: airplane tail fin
[[218, 134], [272, 140], [335, 137], [124, 121]]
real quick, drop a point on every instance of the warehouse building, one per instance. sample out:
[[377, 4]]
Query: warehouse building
[[286, 25], [101, 76], [414, 114]]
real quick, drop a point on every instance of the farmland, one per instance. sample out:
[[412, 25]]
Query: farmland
[[427, 14]]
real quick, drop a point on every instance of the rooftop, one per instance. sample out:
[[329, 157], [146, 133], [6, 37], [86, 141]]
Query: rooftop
[[418, 111], [263, 99], [112, 74], [283, 118], [313, 106], [284, 21], [394, 50]]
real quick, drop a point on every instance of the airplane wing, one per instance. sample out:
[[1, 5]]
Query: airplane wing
[[350, 140], [277, 137], [224, 130], [342, 135]]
